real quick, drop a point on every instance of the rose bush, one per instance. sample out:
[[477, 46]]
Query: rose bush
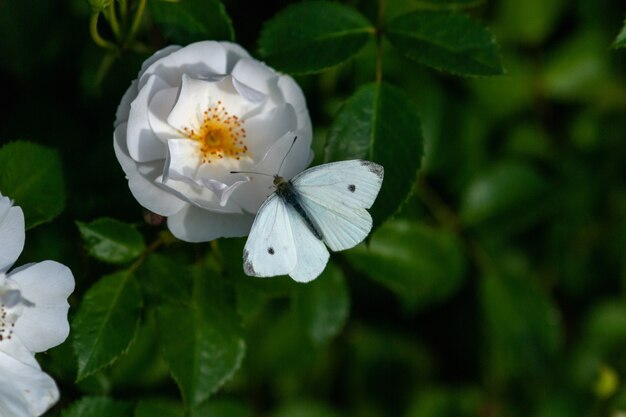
[[195, 114]]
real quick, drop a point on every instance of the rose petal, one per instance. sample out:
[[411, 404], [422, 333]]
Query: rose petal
[[199, 196], [206, 57], [264, 129], [25, 390], [161, 53], [196, 225], [196, 96], [47, 284], [254, 74], [11, 233], [159, 109], [183, 160], [144, 189], [123, 109], [234, 53], [143, 145], [291, 93]]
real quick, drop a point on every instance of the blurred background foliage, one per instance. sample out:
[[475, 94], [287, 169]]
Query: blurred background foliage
[[497, 290]]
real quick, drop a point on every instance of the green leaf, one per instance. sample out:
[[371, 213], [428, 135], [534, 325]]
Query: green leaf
[[620, 41], [500, 191], [158, 408], [98, 407], [529, 21], [420, 264], [446, 41], [107, 322], [521, 326], [448, 4], [222, 408], [380, 123], [305, 409], [313, 35], [202, 342], [163, 278], [31, 175], [111, 240], [323, 305], [190, 21]]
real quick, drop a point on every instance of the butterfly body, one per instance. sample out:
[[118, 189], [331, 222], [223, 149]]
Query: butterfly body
[[288, 193], [322, 206]]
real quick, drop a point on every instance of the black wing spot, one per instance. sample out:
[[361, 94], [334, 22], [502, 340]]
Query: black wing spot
[[352, 188], [374, 168], [270, 250]]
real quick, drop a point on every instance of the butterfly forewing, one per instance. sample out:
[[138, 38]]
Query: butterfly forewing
[[311, 253], [353, 183], [270, 249], [336, 195]]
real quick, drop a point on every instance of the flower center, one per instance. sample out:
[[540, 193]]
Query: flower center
[[220, 135], [8, 317]]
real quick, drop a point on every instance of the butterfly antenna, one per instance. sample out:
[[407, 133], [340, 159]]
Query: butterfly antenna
[[250, 172], [285, 157]]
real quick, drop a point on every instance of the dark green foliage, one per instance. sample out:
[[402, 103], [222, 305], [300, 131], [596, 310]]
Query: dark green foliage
[[312, 36], [493, 282]]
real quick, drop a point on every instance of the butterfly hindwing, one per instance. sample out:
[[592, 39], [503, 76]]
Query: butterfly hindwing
[[270, 249], [336, 197], [311, 253]]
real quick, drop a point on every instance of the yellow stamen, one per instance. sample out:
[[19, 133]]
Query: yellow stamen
[[220, 135]]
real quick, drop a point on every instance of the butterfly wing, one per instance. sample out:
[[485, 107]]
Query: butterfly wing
[[312, 255], [270, 249], [336, 197]]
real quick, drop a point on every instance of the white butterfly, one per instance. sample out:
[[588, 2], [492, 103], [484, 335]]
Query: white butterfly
[[325, 204]]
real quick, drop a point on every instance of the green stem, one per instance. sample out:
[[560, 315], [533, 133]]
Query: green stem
[[93, 30], [136, 21], [124, 11], [111, 17], [153, 246], [103, 69]]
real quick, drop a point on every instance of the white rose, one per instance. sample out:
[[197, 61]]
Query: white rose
[[195, 114], [33, 318]]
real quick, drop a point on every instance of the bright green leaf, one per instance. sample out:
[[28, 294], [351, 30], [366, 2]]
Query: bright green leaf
[[190, 21], [521, 326], [620, 41], [107, 322], [202, 342], [502, 190], [420, 264], [158, 408], [323, 305], [313, 35], [31, 176], [446, 41], [98, 407], [380, 123], [111, 240]]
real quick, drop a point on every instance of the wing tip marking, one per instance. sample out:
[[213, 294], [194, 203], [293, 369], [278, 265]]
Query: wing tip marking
[[247, 265], [375, 168]]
